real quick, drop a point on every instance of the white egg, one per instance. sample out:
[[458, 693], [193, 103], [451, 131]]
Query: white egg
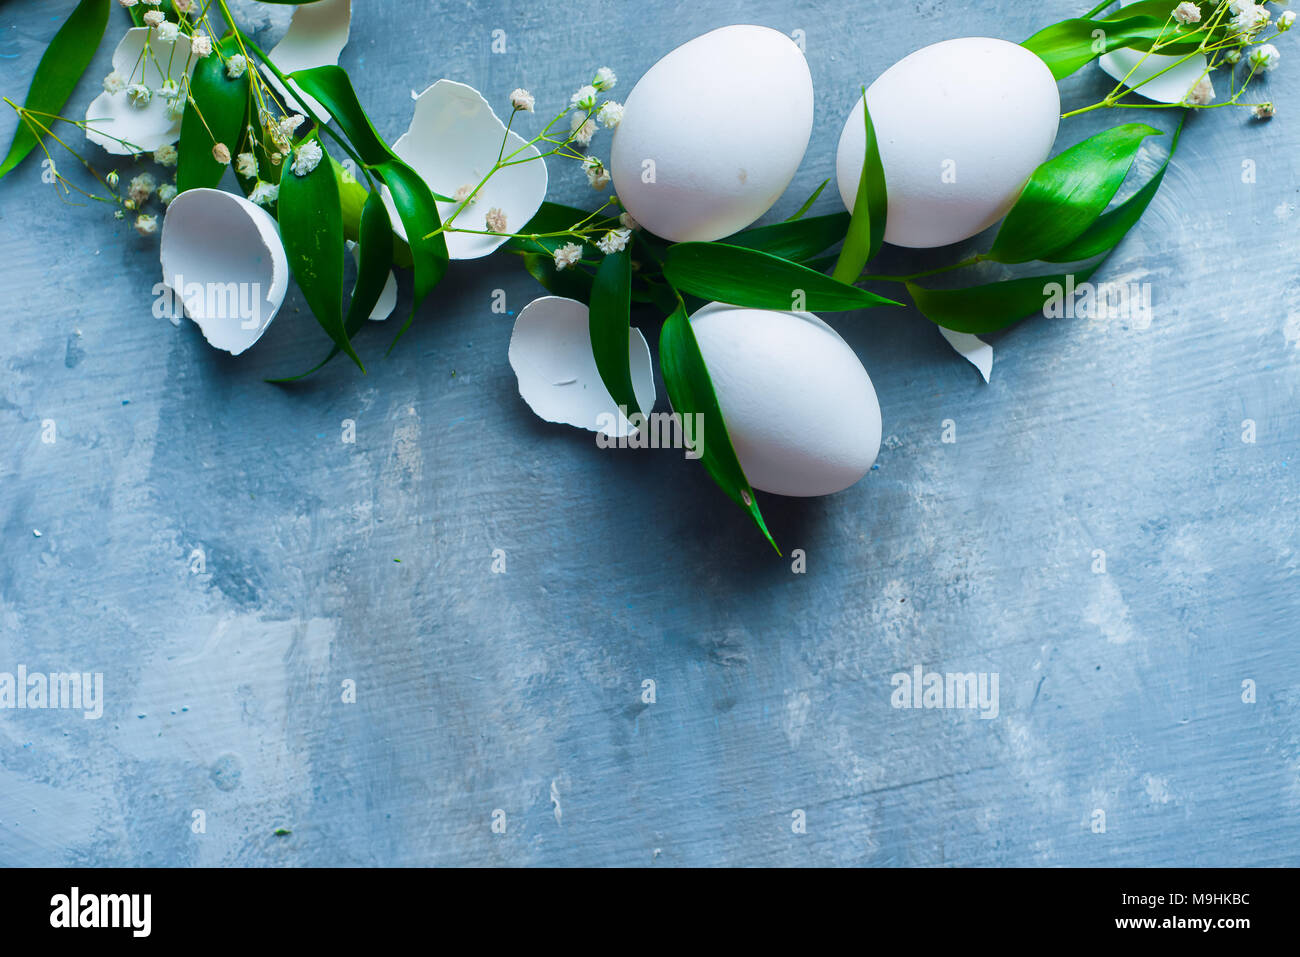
[[961, 126], [713, 133], [800, 408]]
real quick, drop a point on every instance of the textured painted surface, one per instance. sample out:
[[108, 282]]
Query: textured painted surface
[[522, 691]]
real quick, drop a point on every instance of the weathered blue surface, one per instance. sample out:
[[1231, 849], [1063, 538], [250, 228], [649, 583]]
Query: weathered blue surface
[[1120, 692]]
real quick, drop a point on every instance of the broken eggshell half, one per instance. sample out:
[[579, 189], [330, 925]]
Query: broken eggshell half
[[454, 141], [550, 351], [222, 257], [1162, 87], [316, 36], [116, 123]]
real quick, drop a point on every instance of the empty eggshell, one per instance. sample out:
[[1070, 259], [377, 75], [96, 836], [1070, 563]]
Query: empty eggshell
[[453, 141], [550, 351], [223, 257], [316, 36], [1163, 87], [120, 126], [961, 126], [713, 133], [800, 408]]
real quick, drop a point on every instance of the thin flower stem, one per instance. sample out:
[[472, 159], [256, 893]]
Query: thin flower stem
[[977, 258]]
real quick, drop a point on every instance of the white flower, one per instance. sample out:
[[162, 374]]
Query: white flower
[[614, 241], [583, 129], [1285, 21], [169, 89], [610, 115], [1250, 17], [165, 155], [1232, 57], [496, 220], [1263, 111], [246, 165], [605, 79], [128, 3], [153, 18], [221, 153], [176, 107], [289, 124], [584, 99], [1202, 92], [139, 95], [201, 45], [153, 3], [1187, 13], [183, 6], [567, 255], [141, 188], [112, 179], [627, 220], [521, 99], [1264, 57], [264, 194], [146, 225], [463, 193], [236, 66], [114, 83], [166, 193], [597, 175], [167, 31], [306, 157]]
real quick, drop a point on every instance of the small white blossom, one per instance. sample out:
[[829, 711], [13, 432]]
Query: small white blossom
[[289, 124], [628, 222], [153, 18], [112, 179], [166, 193], [614, 241], [1250, 17], [165, 155], [1232, 56], [1285, 21], [236, 66], [306, 157], [584, 99], [201, 45], [128, 3], [605, 79], [264, 194], [176, 107], [496, 220], [139, 95], [1201, 93], [567, 255], [463, 193], [521, 99], [221, 153], [114, 83], [246, 165], [141, 188], [610, 115], [167, 31], [170, 89], [583, 129], [1263, 111], [1264, 57], [146, 225], [153, 3], [597, 175], [118, 214], [1187, 13], [183, 6]]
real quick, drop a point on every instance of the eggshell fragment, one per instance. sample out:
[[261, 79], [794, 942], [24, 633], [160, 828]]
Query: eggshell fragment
[[316, 36], [800, 409], [961, 126], [550, 351], [223, 257], [453, 142], [1169, 87], [118, 125], [971, 348], [712, 134]]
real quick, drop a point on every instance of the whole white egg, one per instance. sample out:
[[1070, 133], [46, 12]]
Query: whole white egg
[[961, 126], [800, 408], [713, 133]]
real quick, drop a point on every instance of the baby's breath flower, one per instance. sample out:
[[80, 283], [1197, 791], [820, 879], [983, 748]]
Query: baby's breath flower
[[246, 165], [201, 45], [1201, 93], [112, 179], [289, 124], [1264, 57], [176, 107], [221, 153], [610, 115], [153, 3], [183, 6], [264, 194], [153, 18], [567, 255], [146, 224], [167, 31], [1285, 21], [165, 155], [1187, 13], [627, 221], [306, 157], [463, 193], [597, 175], [128, 3], [118, 214], [141, 188], [583, 129], [277, 159], [166, 193], [236, 66], [114, 83], [169, 89], [584, 99], [1250, 17], [1262, 111], [614, 241], [1232, 57], [496, 220], [521, 99], [139, 95], [605, 79], [129, 204]]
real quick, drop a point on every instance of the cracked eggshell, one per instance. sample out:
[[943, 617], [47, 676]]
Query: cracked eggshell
[[112, 117], [1169, 87], [725, 120], [212, 239], [800, 408], [550, 351], [453, 141], [316, 36], [984, 111]]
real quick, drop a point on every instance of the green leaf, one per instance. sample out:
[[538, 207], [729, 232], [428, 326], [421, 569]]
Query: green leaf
[[216, 114], [571, 283], [987, 308], [867, 228], [1066, 194], [1111, 226], [797, 239], [749, 277], [1070, 44], [807, 203], [608, 323], [311, 226], [61, 66], [691, 392]]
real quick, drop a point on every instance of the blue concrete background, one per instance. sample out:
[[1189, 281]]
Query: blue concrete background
[[1120, 692]]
